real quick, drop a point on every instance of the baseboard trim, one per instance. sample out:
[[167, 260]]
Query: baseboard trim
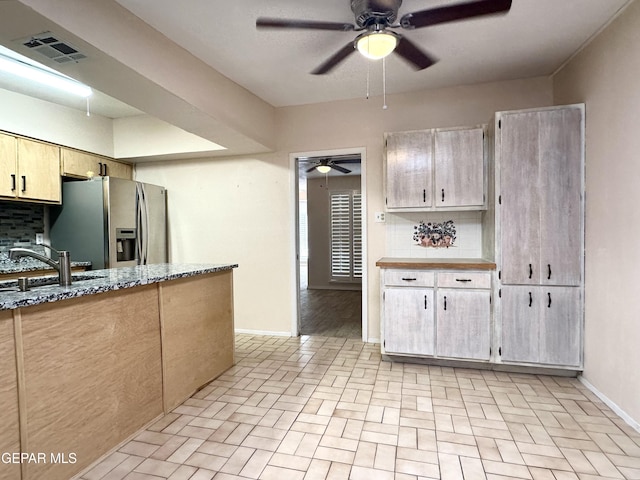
[[267, 333], [373, 340], [609, 403]]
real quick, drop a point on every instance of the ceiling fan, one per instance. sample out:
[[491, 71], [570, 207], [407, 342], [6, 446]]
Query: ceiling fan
[[324, 165], [375, 18]]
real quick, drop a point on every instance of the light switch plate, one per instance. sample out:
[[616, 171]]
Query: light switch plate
[[379, 217]]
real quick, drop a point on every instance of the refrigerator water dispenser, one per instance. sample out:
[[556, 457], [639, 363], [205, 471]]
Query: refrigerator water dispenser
[[126, 244]]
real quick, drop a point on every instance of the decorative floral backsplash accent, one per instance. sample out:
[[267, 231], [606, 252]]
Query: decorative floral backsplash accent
[[435, 235]]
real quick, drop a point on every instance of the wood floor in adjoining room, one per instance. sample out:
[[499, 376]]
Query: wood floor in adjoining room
[[311, 408], [331, 313]]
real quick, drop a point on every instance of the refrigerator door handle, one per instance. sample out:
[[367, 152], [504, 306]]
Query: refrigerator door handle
[[142, 220]]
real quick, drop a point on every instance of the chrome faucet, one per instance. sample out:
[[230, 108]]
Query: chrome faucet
[[62, 266]]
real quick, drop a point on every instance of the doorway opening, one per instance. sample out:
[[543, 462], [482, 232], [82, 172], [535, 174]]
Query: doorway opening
[[330, 244]]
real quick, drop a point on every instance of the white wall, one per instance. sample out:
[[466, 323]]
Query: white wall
[[605, 77], [54, 123], [239, 209]]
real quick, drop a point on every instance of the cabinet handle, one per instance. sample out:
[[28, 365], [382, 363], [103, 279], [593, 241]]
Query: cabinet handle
[[549, 268], [106, 173], [100, 167], [530, 299], [13, 182], [445, 302], [425, 302], [24, 183], [549, 304], [464, 280], [409, 279], [424, 195], [530, 270], [443, 194]]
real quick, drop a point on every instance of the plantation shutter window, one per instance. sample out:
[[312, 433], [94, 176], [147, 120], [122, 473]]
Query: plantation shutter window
[[346, 236]]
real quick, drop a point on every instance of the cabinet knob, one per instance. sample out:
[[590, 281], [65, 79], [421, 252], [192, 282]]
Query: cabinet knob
[[530, 270], [13, 182], [549, 270], [445, 302], [24, 183], [530, 299], [549, 304], [443, 194], [425, 302]]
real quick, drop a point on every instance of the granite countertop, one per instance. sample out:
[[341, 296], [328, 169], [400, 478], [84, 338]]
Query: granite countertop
[[32, 265], [99, 281], [437, 263]]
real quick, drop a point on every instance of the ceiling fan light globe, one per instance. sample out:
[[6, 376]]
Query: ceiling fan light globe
[[377, 45], [323, 168]]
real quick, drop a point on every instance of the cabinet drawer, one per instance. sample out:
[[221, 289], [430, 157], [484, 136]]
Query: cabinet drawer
[[464, 280], [415, 278]]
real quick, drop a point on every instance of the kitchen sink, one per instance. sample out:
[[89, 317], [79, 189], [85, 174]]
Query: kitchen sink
[[45, 281]]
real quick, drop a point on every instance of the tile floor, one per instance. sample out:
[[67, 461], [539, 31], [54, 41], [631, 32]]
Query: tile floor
[[328, 408]]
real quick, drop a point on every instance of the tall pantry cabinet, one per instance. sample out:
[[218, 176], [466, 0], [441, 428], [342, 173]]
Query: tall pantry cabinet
[[539, 235]]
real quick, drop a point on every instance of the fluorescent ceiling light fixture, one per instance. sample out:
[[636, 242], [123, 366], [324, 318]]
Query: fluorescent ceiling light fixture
[[376, 45], [45, 76], [323, 168]]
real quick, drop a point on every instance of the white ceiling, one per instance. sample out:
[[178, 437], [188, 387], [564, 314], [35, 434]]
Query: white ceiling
[[535, 38]]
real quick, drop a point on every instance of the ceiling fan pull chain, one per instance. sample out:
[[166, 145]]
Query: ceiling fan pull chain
[[384, 84], [368, 69]]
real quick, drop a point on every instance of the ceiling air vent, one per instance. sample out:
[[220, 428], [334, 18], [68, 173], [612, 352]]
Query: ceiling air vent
[[53, 48]]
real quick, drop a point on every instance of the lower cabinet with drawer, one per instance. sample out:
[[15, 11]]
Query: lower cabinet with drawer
[[439, 314]]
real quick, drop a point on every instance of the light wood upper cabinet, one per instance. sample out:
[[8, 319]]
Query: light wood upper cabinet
[[39, 171], [85, 165], [29, 170], [409, 169], [459, 167], [434, 170], [8, 165]]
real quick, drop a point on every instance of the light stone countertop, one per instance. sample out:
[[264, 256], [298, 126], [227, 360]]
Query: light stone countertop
[[99, 281]]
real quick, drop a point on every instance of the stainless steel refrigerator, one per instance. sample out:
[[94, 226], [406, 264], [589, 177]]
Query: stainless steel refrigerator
[[111, 222]]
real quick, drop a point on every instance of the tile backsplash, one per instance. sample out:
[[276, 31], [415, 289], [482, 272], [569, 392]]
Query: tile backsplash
[[19, 223], [400, 231]]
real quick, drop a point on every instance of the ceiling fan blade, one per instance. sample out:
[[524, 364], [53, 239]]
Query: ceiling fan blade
[[412, 54], [309, 170], [349, 160], [338, 57], [303, 24], [452, 13], [339, 168]]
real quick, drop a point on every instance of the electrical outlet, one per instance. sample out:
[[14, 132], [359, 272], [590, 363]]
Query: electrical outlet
[[39, 238], [379, 217]]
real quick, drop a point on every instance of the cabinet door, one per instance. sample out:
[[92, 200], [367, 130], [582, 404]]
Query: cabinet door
[[409, 169], [117, 169], [79, 164], [463, 324], [519, 201], [8, 173], [520, 324], [560, 196], [561, 326], [459, 167], [409, 321], [38, 171]]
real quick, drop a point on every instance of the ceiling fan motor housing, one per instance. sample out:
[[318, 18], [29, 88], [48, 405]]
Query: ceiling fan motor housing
[[374, 12]]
